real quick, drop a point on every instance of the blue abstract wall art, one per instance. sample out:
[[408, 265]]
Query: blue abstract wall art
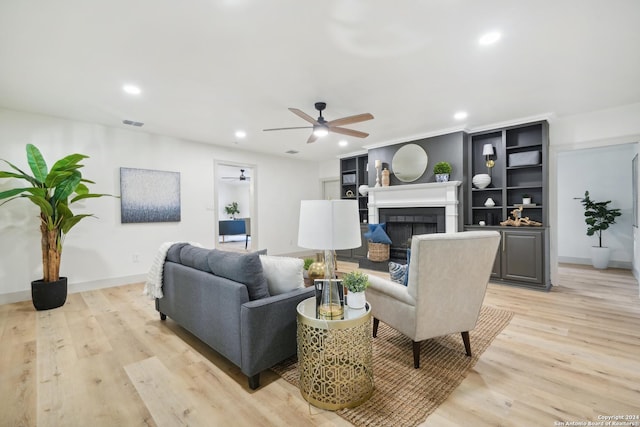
[[149, 196]]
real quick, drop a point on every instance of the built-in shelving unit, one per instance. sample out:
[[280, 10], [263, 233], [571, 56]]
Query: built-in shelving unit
[[353, 174], [520, 170]]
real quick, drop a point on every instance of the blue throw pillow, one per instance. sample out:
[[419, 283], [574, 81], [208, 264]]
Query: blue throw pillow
[[406, 275], [374, 227], [380, 236], [397, 272]]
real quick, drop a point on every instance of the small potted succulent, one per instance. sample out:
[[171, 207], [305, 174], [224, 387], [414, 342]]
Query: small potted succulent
[[356, 282], [442, 170]]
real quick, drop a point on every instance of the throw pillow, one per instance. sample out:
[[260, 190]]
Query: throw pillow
[[406, 275], [380, 236], [243, 268], [374, 227], [397, 272], [283, 274]]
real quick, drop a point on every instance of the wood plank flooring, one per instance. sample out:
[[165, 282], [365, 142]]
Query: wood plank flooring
[[106, 359]]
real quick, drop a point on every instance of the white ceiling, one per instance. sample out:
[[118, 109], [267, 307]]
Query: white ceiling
[[210, 67]]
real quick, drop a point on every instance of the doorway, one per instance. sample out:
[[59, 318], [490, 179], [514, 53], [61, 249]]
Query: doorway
[[235, 206]]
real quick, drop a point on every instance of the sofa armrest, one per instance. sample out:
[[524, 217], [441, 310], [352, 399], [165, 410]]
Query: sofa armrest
[[268, 329]]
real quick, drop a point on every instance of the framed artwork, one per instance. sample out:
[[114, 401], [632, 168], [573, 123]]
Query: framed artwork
[[149, 196]]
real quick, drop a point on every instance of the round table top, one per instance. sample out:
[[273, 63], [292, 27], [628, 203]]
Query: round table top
[[307, 308]]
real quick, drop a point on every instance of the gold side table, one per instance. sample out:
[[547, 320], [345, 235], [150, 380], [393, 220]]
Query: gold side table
[[334, 357]]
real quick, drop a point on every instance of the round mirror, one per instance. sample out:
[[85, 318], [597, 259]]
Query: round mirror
[[409, 162]]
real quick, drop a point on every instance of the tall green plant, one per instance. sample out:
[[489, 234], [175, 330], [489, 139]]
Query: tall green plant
[[53, 191], [598, 216]]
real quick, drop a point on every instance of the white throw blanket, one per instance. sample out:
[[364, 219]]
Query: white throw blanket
[[153, 285]]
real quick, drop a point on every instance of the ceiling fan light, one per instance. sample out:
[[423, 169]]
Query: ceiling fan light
[[320, 131]]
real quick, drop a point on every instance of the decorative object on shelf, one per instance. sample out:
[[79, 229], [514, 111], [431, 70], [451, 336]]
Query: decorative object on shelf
[[518, 220], [385, 177], [363, 190], [489, 203], [409, 162], [482, 180], [378, 166], [442, 170], [349, 178], [349, 193], [482, 223], [526, 199], [356, 282], [329, 225], [232, 209], [598, 217], [526, 158], [53, 192], [487, 152]]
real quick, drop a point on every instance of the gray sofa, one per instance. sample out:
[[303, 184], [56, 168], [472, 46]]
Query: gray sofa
[[223, 299]]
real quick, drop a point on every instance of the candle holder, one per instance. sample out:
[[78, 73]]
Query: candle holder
[[378, 167]]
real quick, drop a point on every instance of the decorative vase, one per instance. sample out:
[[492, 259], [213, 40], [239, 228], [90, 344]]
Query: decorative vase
[[48, 295], [481, 180], [600, 257], [489, 203], [356, 300], [316, 271], [442, 177], [363, 190], [385, 177]]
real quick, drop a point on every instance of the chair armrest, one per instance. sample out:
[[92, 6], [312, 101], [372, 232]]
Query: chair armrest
[[268, 329], [390, 288]]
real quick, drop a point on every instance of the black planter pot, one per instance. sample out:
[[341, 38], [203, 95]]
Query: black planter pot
[[48, 295]]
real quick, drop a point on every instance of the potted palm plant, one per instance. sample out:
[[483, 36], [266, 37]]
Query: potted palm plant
[[53, 191], [598, 217], [356, 282]]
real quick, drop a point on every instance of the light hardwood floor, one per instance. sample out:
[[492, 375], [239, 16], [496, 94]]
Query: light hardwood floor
[[105, 359]]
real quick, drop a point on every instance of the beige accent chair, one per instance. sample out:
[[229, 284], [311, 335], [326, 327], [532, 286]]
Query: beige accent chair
[[448, 276]]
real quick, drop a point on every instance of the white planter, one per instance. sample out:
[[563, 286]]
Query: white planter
[[600, 257], [356, 300], [526, 200]]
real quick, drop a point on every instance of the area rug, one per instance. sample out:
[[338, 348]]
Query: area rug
[[404, 396]]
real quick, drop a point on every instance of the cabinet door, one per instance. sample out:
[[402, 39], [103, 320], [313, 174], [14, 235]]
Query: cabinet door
[[496, 272], [522, 256]]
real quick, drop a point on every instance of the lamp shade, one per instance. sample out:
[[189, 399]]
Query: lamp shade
[[487, 150], [329, 224]]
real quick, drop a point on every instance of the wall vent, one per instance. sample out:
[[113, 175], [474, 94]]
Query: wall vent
[[132, 123], [292, 152]]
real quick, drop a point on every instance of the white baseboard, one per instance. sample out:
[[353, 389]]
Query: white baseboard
[[73, 288], [626, 265]]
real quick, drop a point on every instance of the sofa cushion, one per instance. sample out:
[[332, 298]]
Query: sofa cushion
[[195, 257], [283, 274], [173, 254], [242, 268]]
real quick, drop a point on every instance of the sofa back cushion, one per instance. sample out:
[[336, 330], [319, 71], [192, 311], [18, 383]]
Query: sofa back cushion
[[243, 268], [195, 257], [173, 254]]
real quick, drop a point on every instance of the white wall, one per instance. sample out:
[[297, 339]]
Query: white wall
[[604, 128], [100, 252], [606, 173]]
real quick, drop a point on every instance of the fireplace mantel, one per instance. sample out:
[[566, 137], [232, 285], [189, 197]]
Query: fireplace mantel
[[432, 194]]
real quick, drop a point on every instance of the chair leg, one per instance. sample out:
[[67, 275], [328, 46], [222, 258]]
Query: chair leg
[[376, 322], [467, 343], [416, 354]]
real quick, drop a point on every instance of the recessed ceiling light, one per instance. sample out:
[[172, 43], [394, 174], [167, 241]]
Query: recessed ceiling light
[[132, 89], [240, 134], [489, 38], [460, 115], [343, 143]]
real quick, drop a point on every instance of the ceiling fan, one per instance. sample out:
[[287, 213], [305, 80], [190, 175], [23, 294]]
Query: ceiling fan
[[321, 127], [242, 177]]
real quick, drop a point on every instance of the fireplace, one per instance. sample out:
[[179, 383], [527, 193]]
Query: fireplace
[[402, 223]]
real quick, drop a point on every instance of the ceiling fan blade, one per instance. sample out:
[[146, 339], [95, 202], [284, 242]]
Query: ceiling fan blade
[[351, 119], [349, 132], [312, 138], [303, 115], [296, 127]]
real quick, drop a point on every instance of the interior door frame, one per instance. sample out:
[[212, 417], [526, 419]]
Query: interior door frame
[[253, 197]]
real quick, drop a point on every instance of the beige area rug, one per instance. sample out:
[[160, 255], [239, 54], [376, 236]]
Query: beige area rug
[[404, 396]]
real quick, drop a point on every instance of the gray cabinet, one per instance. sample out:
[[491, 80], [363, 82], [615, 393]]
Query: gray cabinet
[[519, 171]]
